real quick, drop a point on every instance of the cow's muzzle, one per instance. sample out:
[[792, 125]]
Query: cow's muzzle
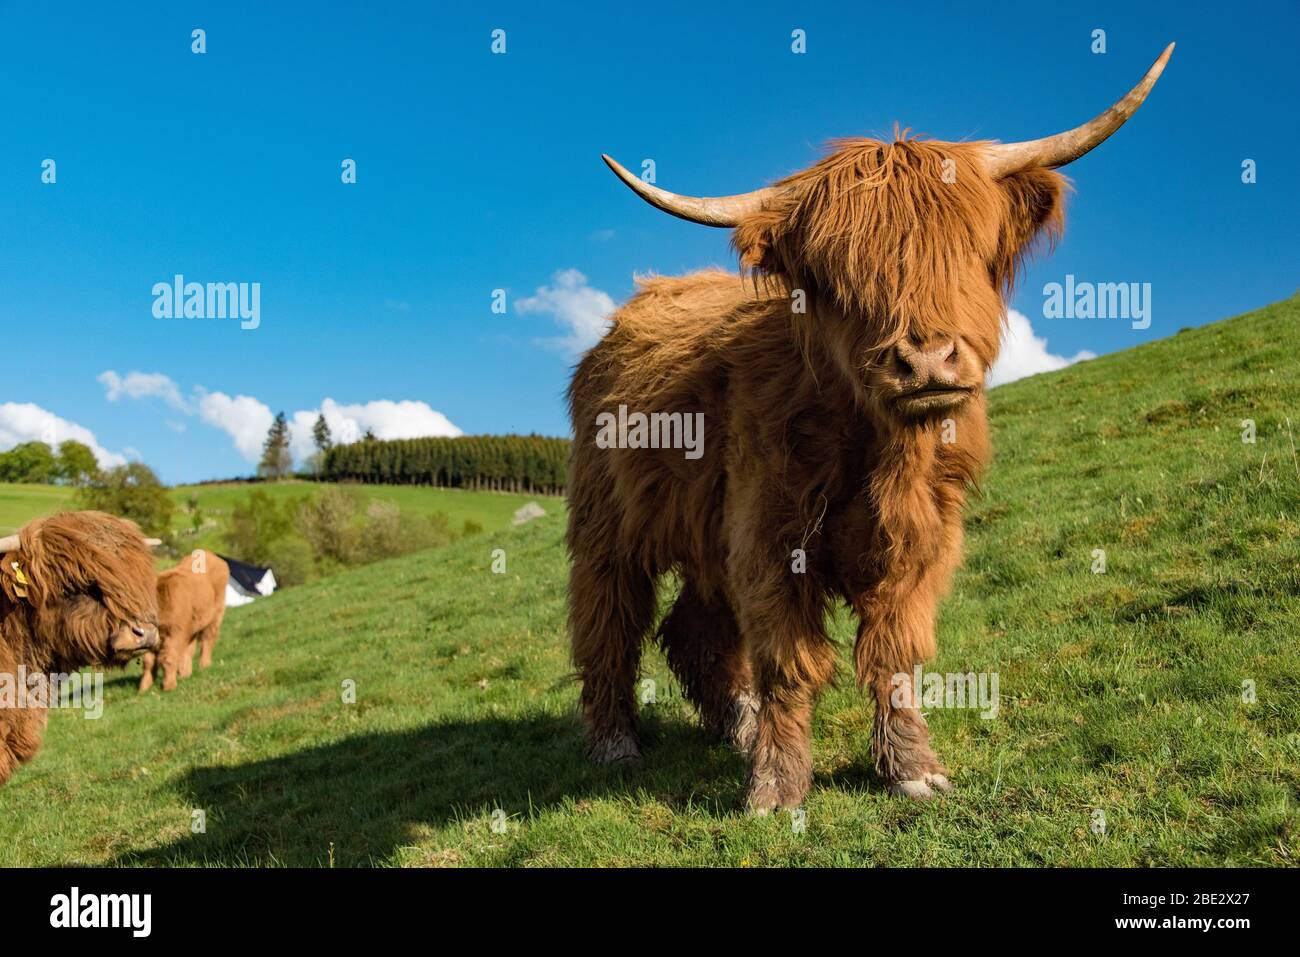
[[134, 639], [929, 376]]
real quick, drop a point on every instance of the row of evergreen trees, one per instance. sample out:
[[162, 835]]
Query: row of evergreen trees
[[506, 463]]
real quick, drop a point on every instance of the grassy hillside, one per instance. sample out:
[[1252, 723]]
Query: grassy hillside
[[21, 503], [1121, 692], [491, 510]]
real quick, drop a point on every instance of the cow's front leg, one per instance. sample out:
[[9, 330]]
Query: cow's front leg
[[792, 660], [21, 730], [893, 637], [900, 742]]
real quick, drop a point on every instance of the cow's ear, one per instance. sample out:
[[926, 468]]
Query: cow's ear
[[15, 585], [1035, 204], [757, 239]]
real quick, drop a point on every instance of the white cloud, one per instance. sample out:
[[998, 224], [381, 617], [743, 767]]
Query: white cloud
[[247, 420], [348, 423], [142, 385], [581, 309], [1025, 354], [25, 422], [243, 418]]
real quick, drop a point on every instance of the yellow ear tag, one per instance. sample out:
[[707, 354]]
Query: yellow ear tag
[[19, 589]]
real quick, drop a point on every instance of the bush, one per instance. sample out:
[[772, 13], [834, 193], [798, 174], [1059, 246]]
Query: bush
[[131, 491], [329, 522], [388, 533], [291, 559], [256, 526]]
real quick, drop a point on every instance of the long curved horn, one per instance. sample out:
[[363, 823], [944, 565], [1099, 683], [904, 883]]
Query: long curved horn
[[705, 210], [1054, 151], [10, 543]]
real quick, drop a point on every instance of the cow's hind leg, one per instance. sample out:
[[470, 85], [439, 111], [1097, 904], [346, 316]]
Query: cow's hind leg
[[187, 659], [208, 640], [702, 642], [611, 609]]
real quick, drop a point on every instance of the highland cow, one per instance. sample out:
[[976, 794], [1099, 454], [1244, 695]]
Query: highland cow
[[76, 591], [191, 604], [841, 387]]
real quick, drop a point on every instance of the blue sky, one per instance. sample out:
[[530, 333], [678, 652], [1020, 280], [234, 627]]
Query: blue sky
[[478, 171]]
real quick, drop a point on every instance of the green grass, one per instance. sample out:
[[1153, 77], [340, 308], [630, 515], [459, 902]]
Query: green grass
[[1120, 692]]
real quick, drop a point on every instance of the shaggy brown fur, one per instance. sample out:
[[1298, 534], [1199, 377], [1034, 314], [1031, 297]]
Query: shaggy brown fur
[[191, 604], [818, 441], [89, 602]]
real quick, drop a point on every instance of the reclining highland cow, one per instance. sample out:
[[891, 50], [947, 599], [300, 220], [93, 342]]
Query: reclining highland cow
[[842, 399], [191, 604], [76, 591]]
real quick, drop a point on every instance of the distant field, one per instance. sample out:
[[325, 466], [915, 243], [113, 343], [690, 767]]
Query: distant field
[[19, 504], [491, 510]]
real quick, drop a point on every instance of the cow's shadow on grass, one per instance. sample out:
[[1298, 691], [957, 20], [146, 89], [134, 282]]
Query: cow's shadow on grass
[[358, 800], [125, 681]]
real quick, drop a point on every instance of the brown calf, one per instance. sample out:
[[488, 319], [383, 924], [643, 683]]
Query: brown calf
[[191, 604]]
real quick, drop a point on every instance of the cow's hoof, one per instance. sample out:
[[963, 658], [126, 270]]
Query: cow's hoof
[[763, 795], [922, 788], [742, 728], [616, 749], [914, 790], [768, 792], [760, 802]]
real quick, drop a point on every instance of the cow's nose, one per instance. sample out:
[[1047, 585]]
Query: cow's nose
[[931, 363], [146, 636]]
